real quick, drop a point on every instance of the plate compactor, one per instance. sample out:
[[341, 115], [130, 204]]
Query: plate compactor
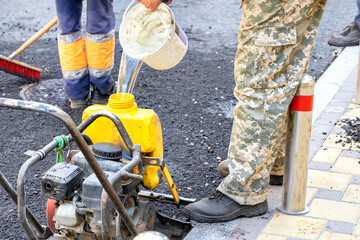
[[95, 192]]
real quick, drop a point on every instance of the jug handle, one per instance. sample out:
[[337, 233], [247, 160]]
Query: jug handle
[[127, 9], [164, 23], [160, 15]]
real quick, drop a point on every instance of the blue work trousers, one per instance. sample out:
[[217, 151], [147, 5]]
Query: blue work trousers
[[357, 17], [88, 61]]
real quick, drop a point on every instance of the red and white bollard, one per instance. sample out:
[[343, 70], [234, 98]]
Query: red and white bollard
[[297, 149]]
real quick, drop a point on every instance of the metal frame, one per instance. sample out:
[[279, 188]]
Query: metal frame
[[118, 124], [77, 137], [13, 195], [117, 177]]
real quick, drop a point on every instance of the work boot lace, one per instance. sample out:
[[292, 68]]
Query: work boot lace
[[349, 28], [216, 195]]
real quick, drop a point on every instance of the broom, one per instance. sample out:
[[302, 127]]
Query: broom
[[9, 65]]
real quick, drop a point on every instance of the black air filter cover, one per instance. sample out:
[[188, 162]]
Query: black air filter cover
[[60, 181]]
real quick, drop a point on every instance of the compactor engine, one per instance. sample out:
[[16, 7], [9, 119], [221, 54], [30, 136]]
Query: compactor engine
[[99, 191]]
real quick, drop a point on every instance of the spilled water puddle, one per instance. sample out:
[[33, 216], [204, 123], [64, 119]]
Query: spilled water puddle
[[48, 91], [224, 108]]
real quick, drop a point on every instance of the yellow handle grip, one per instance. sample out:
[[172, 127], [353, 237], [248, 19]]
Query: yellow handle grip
[[34, 38]]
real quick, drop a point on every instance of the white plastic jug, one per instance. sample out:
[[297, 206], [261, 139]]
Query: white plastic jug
[[153, 37]]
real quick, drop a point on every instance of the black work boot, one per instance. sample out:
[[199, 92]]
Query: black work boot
[[349, 37], [220, 208], [276, 180], [98, 98], [78, 103], [223, 170]]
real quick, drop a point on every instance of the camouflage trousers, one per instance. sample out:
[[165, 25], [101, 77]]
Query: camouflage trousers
[[276, 38]]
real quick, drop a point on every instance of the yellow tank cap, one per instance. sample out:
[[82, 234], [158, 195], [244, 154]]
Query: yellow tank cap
[[121, 101]]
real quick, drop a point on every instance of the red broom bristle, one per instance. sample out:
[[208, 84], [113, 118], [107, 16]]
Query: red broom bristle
[[19, 70]]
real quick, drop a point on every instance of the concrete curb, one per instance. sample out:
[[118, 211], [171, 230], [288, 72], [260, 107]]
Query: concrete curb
[[333, 78]]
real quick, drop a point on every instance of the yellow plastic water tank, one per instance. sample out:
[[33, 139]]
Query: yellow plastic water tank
[[142, 125]]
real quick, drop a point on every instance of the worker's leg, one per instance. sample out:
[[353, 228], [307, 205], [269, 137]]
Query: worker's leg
[[277, 171], [276, 38], [259, 118], [100, 43], [357, 17], [71, 49], [278, 167], [275, 44]]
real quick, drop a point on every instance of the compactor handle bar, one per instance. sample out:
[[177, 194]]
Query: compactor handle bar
[[39, 155]]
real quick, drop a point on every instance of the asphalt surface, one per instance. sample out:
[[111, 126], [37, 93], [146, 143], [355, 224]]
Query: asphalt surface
[[193, 100]]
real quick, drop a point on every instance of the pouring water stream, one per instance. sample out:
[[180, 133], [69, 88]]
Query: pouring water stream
[[130, 67]]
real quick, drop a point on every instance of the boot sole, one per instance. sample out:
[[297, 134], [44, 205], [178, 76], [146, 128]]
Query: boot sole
[[247, 213], [78, 105], [342, 44]]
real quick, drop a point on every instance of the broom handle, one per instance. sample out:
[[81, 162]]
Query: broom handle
[[34, 38]]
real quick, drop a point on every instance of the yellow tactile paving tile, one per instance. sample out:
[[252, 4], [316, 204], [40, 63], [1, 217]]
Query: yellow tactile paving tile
[[339, 123], [270, 237], [337, 236], [352, 194], [357, 229], [328, 180], [347, 165], [332, 141], [327, 155], [355, 112], [334, 210], [294, 226], [353, 105]]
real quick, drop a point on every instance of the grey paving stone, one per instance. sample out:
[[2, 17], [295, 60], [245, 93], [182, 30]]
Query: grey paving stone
[[212, 231], [320, 128], [352, 78], [328, 194], [320, 166], [249, 228], [336, 106], [340, 102], [345, 96], [274, 197], [245, 228], [355, 179], [348, 87], [351, 154], [328, 118], [339, 227], [312, 153], [339, 131], [319, 134], [314, 147]]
